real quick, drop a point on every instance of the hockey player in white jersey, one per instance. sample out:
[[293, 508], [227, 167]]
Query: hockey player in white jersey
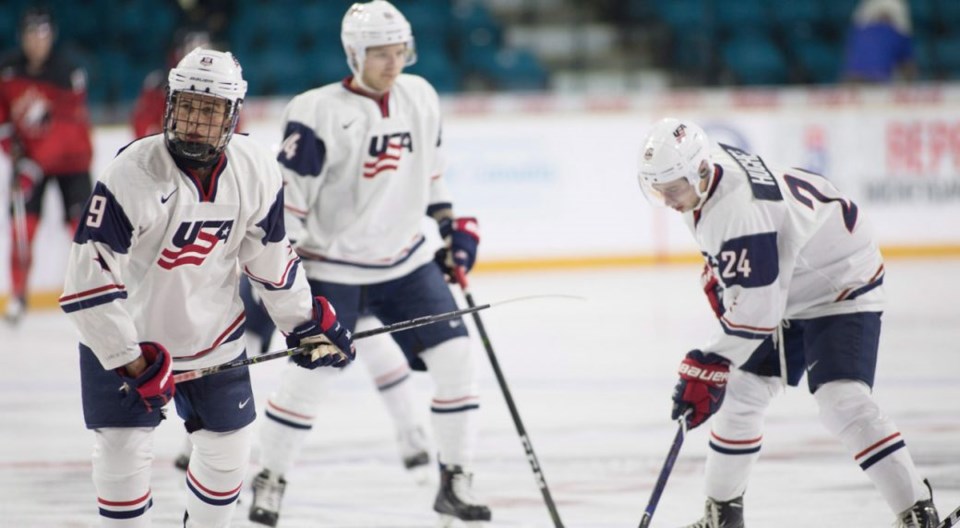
[[795, 277], [362, 165], [152, 285]]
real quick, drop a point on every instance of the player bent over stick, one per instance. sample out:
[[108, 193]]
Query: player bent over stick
[[152, 285], [795, 278], [362, 164]]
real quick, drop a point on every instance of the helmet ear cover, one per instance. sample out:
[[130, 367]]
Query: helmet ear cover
[[371, 24], [673, 150], [201, 78]]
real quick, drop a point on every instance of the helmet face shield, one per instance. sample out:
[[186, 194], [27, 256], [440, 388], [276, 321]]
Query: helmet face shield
[[199, 125]]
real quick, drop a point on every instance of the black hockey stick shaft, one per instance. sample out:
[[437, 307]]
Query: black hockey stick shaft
[[951, 520], [664, 474], [461, 278], [395, 327]]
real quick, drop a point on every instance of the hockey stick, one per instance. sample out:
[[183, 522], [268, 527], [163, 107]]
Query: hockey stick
[[461, 278], [950, 520], [665, 472], [19, 219], [395, 327]]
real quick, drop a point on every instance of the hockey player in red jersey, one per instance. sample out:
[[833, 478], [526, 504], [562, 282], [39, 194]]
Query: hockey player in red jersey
[[795, 278], [45, 130], [147, 115]]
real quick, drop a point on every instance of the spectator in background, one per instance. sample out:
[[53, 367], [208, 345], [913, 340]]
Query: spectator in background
[[879, 46], [45, 130], [147, 117]]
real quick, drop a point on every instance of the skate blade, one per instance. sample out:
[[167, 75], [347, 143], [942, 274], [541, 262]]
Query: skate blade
[[449, 521]]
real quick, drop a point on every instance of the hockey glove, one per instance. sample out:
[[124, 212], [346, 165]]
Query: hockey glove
[[154, 386], [702, 385], [327, 342], [461, 237], [28, 175], [713, 290]]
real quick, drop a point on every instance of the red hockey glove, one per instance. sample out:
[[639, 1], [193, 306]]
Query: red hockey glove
[[28, 175], [702, 385], [328, 343], [154, 386], [461, 236], [712, 289]]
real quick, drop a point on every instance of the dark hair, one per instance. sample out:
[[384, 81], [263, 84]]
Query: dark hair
[[37, 16]]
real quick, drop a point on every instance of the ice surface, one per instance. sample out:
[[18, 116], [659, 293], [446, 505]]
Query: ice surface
[[592, 381]]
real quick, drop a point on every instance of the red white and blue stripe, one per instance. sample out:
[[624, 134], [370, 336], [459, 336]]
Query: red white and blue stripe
[[128, 509], [287, 417], [393, 378], [735, 446], [92, 297], [210, 496], [880, 450], [455, 405]]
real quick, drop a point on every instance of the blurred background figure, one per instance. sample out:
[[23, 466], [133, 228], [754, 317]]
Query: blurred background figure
[[879, 47], [147, 115], [45, 130]]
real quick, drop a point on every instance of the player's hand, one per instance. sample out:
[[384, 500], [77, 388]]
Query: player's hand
[[712, 289], [152, 386], [28, 174], [461, 237], [328, 343], [702, 385]]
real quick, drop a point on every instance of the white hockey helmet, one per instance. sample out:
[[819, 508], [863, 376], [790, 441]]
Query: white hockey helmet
[[211, 73], [376, 23], [673, 149]]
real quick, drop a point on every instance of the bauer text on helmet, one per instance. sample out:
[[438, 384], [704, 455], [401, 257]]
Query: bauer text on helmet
[[673, 150], [205, 94], [376, 23]]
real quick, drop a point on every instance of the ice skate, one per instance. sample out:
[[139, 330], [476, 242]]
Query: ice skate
[[414, 452], [923, 514], [16, 307], [455, 501], [267, 495], [717, 514]]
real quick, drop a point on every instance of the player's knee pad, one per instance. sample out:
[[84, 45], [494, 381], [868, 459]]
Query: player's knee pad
[[384, 360], [844, 404], [745, 404], [300, 390], [222, 452], [450, 364], [121, 474]]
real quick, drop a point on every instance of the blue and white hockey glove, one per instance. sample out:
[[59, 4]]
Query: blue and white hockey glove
[[154, 386], [328, 343], [461, 237], [702, 385]]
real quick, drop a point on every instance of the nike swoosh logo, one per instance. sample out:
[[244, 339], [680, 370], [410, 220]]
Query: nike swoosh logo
[[163, 199], [346, 126], [811, 365], [244, 403]]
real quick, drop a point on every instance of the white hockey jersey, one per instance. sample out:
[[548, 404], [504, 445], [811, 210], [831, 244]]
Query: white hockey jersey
[[360, 175], [158, 256], [784, 244]]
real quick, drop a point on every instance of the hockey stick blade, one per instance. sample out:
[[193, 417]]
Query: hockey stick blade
[[395, 327], [951, 520]]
